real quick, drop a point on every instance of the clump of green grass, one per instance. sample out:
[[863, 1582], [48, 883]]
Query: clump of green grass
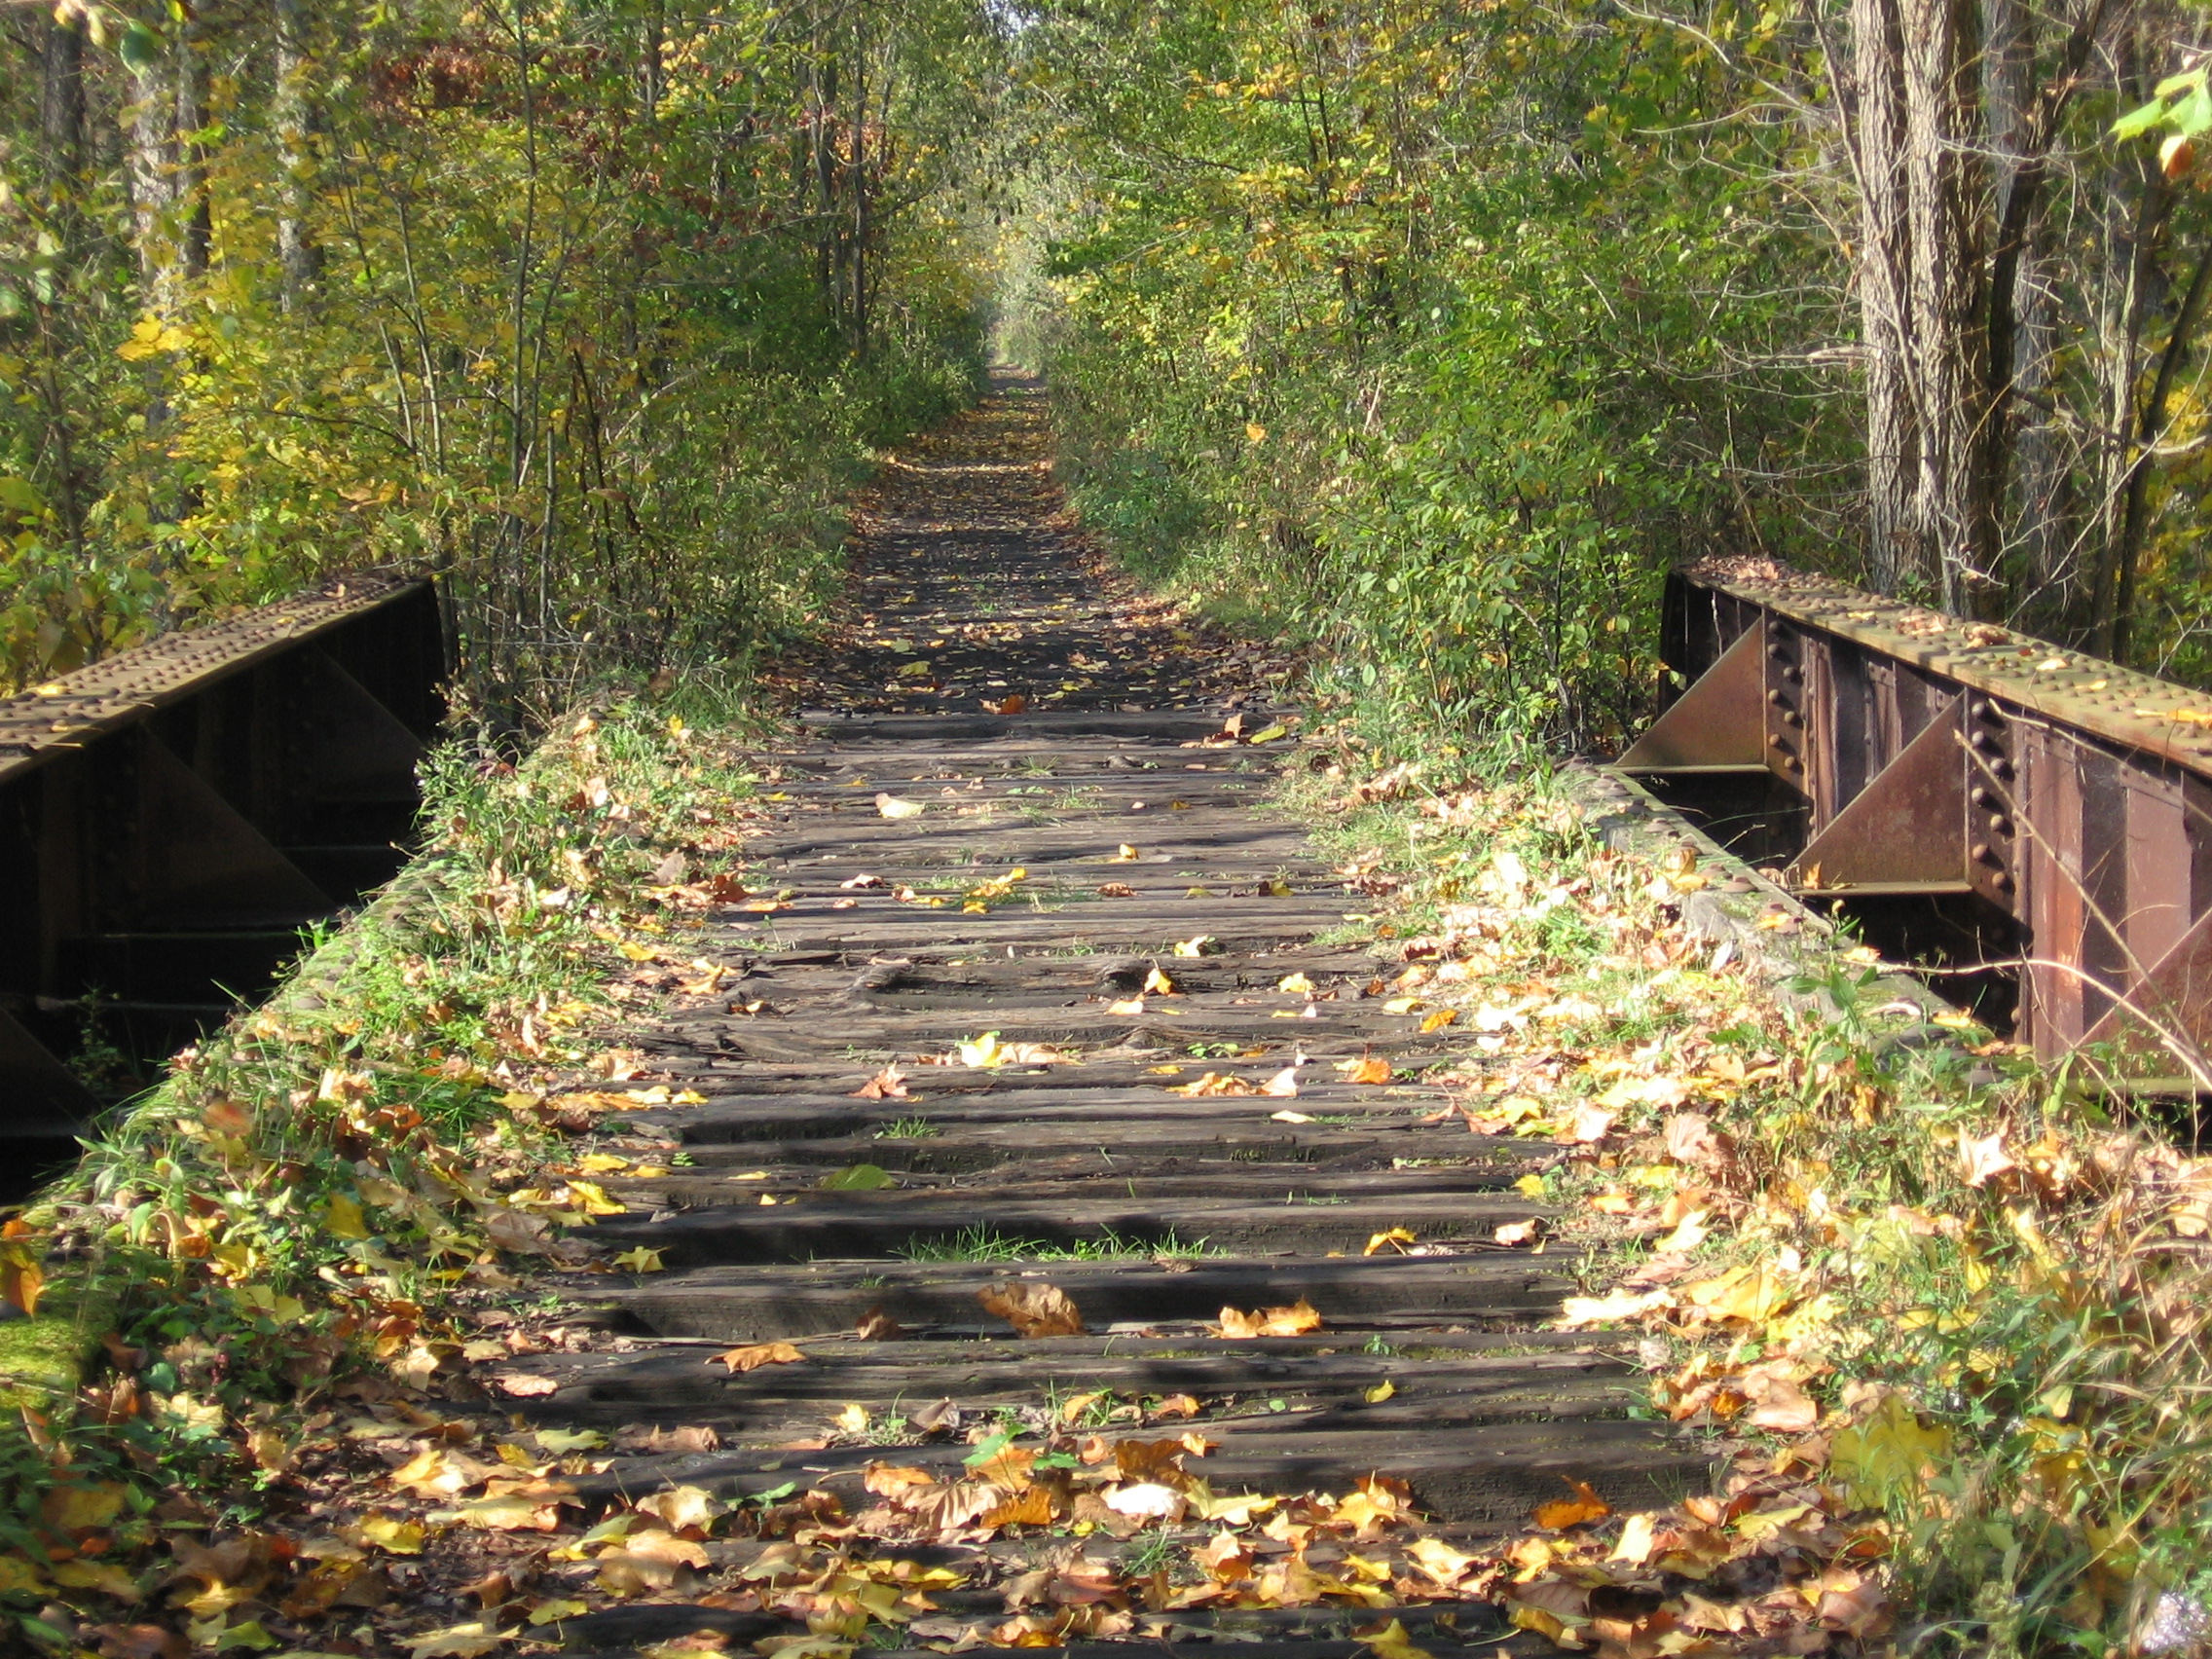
[[984, 1244]]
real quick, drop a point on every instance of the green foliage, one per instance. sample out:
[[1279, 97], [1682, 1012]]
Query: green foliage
[[597, 311], [1369, 326]]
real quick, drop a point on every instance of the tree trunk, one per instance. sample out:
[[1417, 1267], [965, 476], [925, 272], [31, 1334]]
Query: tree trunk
[[1943, 206], [297, 256], [61, 108], [1895, 551]]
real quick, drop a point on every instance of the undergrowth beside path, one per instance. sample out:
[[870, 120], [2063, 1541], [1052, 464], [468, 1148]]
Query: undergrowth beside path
[[1940, 1290]]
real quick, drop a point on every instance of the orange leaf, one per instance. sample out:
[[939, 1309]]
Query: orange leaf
[[756, 1354], [1565, 1512], [1300, 1317], [889, 1084]]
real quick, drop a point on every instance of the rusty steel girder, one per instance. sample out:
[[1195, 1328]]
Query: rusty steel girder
[[171, 818], [1973, 798]]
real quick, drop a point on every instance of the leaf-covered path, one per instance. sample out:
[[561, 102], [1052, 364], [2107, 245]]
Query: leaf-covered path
[[1040, 1178]]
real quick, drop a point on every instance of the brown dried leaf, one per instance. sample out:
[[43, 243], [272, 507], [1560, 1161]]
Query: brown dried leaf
[[1033, 1309], [877, 1326]]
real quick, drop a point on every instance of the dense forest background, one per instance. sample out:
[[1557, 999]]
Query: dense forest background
[[1439, 328], [1430, 330]]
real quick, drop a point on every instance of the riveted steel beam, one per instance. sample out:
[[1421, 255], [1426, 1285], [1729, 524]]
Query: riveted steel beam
[[1970, 793], [172, 817]]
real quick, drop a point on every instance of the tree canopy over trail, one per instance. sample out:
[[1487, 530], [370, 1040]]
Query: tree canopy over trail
[[1431, 330]]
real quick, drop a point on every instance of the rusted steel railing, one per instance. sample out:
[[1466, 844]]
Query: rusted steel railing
[[171, 818], [1969, 796]]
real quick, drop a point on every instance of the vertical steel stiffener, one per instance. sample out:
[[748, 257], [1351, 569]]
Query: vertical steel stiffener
[[171, 818], [1970, 795]]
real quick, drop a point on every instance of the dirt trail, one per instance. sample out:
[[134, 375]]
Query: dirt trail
[[1038, 871]]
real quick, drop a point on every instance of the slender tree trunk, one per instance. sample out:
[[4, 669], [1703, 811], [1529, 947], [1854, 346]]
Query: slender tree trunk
[[197, 237], [297, 256], [1895, 551], [153, 179], [856, 172], [61, 109]]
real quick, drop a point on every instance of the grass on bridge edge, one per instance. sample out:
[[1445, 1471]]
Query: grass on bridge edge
[[1948, 1264]]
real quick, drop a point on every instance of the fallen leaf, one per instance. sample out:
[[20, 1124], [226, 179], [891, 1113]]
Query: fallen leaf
[[1126, 1007], [1440, 1561], [1636, 1542], [1369, 1069], [525, 1384], [1984, 1161], [1562, 1513], [1579, 1310], [1033, 1309], [681, 1508], [1383, 1390], [1519, 1231], [889, 1084], [857, 1178], [457, 1642], [1032, 1507], [891, 806], [754, 1356], [1283, 1085], [1890, 1451], [1392, 1641], [1212, 1084], [392, 1535], [1777, 1401], [512, 1512], [1146, 1499], [877, 1326], [1588, 1125], [1394, 1238], [1296, 1320]]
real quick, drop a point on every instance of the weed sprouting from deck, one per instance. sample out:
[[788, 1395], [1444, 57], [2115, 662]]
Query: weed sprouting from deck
[[986, 1243]]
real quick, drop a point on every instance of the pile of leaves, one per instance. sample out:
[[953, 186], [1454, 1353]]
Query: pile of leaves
[[292, 1219], [1941, 1308]]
